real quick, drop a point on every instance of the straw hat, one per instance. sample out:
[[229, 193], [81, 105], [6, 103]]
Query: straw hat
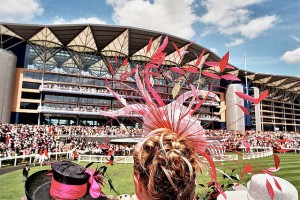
[[257, 190]]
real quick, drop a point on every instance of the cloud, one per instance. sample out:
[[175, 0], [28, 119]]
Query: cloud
[[236, 42], [175, 18], [234, 17], [19, 10], [292, 56], [90, 20], [257, 26]]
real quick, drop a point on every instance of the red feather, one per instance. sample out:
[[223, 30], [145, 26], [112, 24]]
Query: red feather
[[191, 69], [116, 59], [178, 51], [211, 75], [246, 112], [270, 189], [125, 62], [230, 77], [123, 74], [247, 169], [149, 45], [229, 67], [245, 96], [153, 92], [177, 70], [200, 58], [112, 71], [277, 184], [212, 64], [267, 172], [276, 160], [262, 97], [224, 62]]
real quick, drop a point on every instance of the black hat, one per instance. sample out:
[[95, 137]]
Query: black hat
[[67, 181]]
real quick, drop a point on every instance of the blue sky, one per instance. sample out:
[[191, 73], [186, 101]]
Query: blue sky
[[267, 30]]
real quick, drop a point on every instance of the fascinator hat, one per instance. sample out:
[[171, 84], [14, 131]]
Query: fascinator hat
[[65, 181], [161, 115]]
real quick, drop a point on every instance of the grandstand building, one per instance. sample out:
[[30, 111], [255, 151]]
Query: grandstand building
[[56, 74]]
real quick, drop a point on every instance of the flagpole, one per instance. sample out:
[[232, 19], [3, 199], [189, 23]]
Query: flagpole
[[246, 78]]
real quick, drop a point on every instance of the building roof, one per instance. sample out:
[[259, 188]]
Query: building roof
[[129, 42]]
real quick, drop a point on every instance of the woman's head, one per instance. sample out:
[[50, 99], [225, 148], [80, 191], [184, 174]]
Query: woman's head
[[165, 167]]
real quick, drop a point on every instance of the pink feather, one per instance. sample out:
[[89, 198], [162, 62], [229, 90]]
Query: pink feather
[[149, 45], [177, 70], [163, 46], [230, 77], [270, 189], [224, 62], [125, 62], [246, 112], [200, 58], [211, 75], [178, 51], [191, 69]]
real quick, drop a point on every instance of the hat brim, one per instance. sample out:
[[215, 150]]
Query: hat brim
[[38, 186], [234, 195]]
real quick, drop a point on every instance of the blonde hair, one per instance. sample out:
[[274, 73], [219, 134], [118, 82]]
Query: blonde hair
[[167, 165]]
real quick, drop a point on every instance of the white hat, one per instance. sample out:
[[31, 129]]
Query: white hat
[[257, 190]]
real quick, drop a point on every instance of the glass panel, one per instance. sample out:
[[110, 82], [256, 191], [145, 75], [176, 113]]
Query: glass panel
[[30, 85]]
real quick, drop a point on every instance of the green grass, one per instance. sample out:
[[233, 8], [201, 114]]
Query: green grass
[[11, 186]]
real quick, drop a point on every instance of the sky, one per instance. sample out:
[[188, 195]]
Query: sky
[[266, 32]]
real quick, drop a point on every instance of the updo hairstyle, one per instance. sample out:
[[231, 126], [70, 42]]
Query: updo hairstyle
[[167, 165]]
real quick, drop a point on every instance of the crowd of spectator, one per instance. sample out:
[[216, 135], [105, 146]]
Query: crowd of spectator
[[21, 139], [233, 140]]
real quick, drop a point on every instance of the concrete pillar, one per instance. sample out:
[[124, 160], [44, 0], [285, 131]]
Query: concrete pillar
[[257, 110], [235, 119], [7, 79]]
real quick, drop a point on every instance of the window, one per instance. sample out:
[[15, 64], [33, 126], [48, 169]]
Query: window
[[30, 95], [30, 106], [30, 85]]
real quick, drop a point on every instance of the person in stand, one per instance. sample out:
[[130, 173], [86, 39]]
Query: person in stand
[[25, 172]]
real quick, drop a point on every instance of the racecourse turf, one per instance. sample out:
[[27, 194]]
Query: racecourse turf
[[12, 187]]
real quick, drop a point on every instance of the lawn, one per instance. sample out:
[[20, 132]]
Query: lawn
[[11, 186]]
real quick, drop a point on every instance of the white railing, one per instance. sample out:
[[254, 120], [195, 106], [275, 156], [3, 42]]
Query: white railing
[[129, 159], [104, 159], [225, 157], [54, 155], [261, 154]]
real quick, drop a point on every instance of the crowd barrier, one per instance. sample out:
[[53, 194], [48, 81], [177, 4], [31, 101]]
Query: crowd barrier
[[129, 159], [225, 157], [104, 159], [261, 154], [14, 160]]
